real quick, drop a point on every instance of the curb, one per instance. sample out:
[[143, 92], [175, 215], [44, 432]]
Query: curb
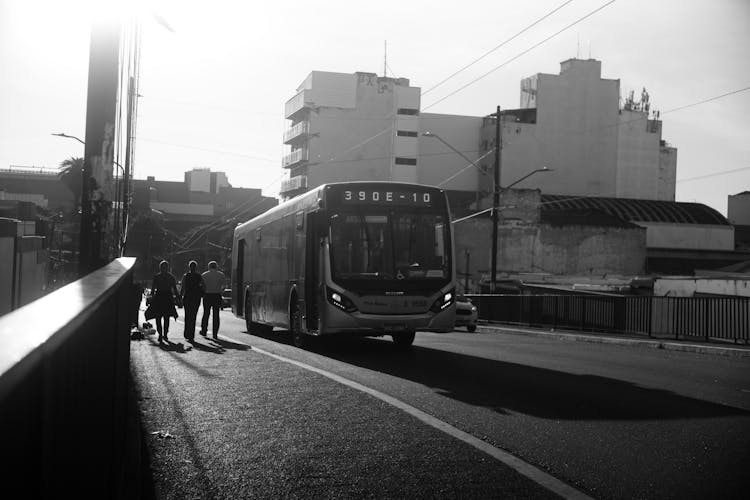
[[606, 339]]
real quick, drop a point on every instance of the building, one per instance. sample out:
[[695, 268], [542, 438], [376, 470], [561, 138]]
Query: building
[[574, 124], [364, 127], [350, 127], [738, 213], [42, 186], [191, 219], [606, 208]]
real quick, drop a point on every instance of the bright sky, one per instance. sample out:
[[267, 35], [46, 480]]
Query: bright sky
[[213, 92]]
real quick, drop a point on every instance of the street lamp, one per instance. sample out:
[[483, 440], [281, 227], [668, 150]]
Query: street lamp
[[70, 137], [427, 133], [86, 211], [495, 212]]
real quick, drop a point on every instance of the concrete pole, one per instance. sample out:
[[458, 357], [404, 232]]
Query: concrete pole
[[496, 200], [96, 194]]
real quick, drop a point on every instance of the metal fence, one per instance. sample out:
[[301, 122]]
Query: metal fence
[[704, 318], [63, 389]]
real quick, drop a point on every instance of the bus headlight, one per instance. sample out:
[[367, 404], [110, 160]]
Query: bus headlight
[[341, 301], [443, 302]]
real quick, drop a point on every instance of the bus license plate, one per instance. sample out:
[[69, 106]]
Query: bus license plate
[[394, 328]]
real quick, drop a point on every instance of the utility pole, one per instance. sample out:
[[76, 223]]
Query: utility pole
[[96, 193], [126, 172], [496, 199]]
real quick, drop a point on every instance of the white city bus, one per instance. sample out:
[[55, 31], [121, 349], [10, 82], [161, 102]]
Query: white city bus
[[354, 258]]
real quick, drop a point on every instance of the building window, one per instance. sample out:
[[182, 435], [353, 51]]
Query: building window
[[407, 111], [298, 171], [405, 161], [406, 133]]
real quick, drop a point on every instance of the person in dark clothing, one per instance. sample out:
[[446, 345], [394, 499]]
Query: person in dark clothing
[[191, 291], [163, 293], [214, 281]]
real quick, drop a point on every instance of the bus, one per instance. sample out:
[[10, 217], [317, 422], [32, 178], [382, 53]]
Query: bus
[[353, 258]]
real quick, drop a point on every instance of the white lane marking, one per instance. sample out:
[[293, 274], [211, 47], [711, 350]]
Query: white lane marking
[[537, 475]]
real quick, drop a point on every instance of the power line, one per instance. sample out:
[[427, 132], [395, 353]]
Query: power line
[[208, 150], [497, 47], [706, 100], [227, 217], [707, 176], [522, 53]]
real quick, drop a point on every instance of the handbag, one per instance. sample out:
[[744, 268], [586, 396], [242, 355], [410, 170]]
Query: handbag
[[149, 313]]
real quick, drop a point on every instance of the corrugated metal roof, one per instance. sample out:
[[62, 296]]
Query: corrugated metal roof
[[637, 210]]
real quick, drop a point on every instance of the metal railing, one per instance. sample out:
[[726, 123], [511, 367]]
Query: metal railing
[[64, 370], [704, 318]]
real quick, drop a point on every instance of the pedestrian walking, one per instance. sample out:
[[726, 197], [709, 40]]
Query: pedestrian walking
[[213, 280], [191, 292], [136, 303], [163, 293]]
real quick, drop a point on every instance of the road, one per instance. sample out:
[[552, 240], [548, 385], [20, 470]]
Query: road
[[253, 416]]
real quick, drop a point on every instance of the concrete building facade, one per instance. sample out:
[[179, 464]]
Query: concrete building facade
[[573, 123], [41, 186], [364, 127], [350, 127], [738, 209]]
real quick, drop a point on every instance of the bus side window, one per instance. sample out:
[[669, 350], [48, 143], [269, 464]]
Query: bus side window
[[257, 234], [299, 220]]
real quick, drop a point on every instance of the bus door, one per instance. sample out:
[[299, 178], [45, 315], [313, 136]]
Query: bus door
[[238, 293], [312, 269]]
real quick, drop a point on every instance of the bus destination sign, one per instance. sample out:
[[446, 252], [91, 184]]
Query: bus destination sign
[[386, 197]]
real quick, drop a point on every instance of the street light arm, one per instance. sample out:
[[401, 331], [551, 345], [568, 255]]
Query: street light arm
[[70, 137], [427, 133], [543, 169]]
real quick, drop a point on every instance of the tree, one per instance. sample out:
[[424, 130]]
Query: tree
[[71, 174]]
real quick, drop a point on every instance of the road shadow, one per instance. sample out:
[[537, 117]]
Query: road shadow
[[274, 335], [510, 387], [224, 344]]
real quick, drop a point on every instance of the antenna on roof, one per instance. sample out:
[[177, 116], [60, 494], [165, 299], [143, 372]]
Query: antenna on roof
[[578, 46], [385, 57], [589, 49]]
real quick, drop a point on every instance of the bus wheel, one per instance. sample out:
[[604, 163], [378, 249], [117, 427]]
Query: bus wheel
[[298, 336], [403, 339]]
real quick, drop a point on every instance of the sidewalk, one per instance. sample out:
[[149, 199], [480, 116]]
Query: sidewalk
[[721, 349]]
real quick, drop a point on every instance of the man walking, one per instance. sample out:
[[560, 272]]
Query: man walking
[[213, 280], [191, 292]]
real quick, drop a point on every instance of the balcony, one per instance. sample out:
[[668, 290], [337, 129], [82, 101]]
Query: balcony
[[294, 158], [299, 130], [291, 186], [296, 104]]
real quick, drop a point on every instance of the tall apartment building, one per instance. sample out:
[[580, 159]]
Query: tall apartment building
[[573, 123], [350, 127]]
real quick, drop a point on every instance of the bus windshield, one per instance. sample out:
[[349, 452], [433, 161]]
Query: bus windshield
[[390, 246]]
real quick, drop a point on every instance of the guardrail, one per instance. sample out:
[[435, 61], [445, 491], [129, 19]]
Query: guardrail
[[64, 370], [704, 318]]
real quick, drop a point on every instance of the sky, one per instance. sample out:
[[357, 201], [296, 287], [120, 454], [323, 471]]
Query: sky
[[213, 89]]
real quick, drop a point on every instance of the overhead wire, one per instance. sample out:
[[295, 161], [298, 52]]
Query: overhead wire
[[475, 80], [472, 63]]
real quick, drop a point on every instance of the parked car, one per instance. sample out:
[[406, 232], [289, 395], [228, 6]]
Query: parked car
[[466, 313], [226, 298]]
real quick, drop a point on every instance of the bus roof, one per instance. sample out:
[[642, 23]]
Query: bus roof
[[310, 198]]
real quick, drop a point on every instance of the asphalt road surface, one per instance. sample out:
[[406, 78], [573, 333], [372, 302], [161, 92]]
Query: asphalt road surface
[[484, 415]]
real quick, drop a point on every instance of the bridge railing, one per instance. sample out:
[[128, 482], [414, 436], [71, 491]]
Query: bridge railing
[[64, 370], [704, 318]]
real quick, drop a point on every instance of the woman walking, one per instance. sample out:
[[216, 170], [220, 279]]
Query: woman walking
[[163, 293]]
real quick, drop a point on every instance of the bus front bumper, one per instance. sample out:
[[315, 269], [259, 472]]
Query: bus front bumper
[[357, 323]]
